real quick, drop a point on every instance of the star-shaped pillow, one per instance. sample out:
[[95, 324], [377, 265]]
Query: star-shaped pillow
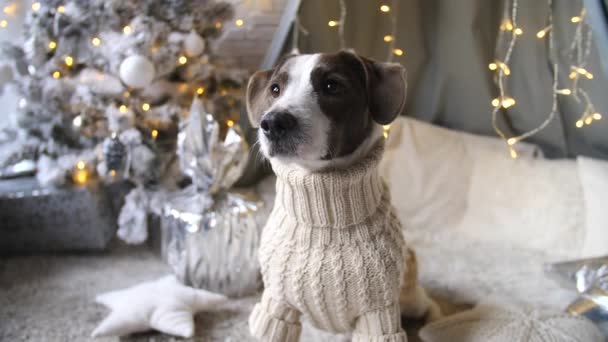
[[164, 305], [497, 320]]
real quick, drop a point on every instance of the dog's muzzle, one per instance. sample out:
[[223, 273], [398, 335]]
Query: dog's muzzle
[[278, 125]]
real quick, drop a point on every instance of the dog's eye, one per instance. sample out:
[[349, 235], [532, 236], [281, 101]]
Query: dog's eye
[[331, 87], [275, 90]]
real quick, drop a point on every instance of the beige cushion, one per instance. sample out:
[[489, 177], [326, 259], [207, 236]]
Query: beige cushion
[[499, 321]]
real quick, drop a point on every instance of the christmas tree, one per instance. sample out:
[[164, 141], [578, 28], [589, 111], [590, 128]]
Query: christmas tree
[[104, 85]]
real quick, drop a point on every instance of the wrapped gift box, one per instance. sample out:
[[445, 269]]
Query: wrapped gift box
[[37, 219]]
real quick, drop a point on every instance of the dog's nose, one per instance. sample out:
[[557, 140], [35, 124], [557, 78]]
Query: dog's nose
[[276, 124]]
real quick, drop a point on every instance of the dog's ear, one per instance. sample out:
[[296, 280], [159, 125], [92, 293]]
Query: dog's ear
[[387, 87], [257, 97]]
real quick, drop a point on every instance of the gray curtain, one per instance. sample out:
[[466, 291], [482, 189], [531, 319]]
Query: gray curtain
[[448, 45]]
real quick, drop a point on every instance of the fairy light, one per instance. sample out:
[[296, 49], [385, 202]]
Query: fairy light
[[56, 74], [61, 9], [77, 121], [96, 41], [182, 60], [80, 177], [154, 134], [229, 123], [239, 22], [35, 6], [123, 109], [52, 45], [332, 23], [542, 33], [81, 165], [3, 23], [579, 52], [145, 107], [126, 94], [388, 38], [385, 8], [127, 29], [10, 9], [398, 52], [200, 90], [113, 173], [69, 61], [218, 25], [386, 129]]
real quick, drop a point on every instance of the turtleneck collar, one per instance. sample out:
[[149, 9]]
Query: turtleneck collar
[[335, 198]]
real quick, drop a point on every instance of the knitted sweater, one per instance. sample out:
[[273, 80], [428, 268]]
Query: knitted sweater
[[332, 248]]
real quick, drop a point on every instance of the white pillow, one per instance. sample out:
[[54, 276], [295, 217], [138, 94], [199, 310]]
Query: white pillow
[[593, 175], [442, 179]]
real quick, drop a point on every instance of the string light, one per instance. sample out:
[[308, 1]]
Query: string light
[[542, 33], [52, 45], [80, 177], [218, 25], [145, 107], [35, 6], [398, 52], [200, 90], [61, 9], [229, 123], [386, 129], [154, 134], [127, 29], [56, 74], [332, 23], [579, 50], [10, 9], [123, 109], [81, 165], [385, 8], [182, 60], [113, 173], [77, 122], [388, 38], [126, 94], [96, 41], [3, 23], [239, 22], [69, 61]]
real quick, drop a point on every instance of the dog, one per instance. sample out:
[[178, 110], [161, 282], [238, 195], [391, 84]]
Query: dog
[[332, 248]]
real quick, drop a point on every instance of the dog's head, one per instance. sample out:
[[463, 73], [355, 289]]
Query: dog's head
[[317, 109]]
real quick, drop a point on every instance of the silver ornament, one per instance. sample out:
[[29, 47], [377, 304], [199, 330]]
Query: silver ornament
[[194, 44]]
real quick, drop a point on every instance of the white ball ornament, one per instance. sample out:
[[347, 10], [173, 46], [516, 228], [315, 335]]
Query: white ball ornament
[[194, 44], [137, 71]]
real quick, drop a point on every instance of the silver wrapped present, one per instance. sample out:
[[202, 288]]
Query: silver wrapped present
[[590, 279], [210, 235]]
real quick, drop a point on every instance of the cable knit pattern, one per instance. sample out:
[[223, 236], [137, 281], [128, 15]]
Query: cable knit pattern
[[332, 250]]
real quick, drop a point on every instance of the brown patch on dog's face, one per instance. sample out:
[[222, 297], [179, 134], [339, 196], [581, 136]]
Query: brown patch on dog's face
[[339, 83]]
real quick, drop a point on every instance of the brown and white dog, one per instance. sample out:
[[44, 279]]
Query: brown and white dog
[[326, 111]]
